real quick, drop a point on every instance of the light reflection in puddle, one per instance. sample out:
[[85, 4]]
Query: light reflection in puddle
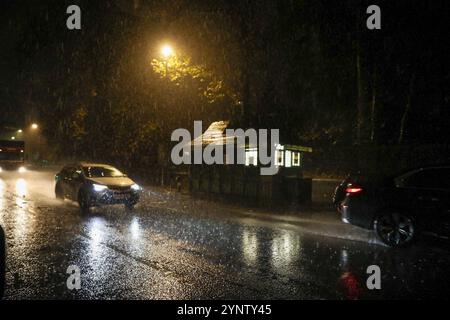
[[97, 250], [135, 228], [21, 188], [344, 259], [285, 249], [138, 244], [96, 233], [249, 246], [21, 226]]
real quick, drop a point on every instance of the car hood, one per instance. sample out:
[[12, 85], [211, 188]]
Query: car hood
[[117, 181]]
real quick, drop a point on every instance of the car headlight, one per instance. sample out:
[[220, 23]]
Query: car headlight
[[22, 169], [135, 187], [99, 187]]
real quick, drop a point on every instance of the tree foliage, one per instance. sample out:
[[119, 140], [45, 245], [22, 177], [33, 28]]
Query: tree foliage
[[103, 92]]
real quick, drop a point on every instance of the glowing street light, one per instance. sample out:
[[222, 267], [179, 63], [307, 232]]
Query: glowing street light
[[13, 138], [34, 126], [19, 131], [166, 51]]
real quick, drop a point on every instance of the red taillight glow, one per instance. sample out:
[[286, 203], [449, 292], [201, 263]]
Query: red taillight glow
[[353, 190]]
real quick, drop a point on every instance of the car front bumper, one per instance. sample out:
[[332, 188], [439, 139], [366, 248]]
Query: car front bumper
[[108, 197]]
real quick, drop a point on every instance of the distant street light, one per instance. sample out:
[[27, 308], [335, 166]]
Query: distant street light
[[13, 138], [34, 126], [166, 51], [19, 131]]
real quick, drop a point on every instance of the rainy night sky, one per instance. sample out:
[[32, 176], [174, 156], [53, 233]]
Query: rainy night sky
[[309, 67]]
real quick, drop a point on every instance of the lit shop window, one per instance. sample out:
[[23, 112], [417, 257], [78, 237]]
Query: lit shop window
[[279, 155], [296, 159], [288, 155]]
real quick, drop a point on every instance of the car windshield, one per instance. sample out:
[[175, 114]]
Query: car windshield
[[100, 172]]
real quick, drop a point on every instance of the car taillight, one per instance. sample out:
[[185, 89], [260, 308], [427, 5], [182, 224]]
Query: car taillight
[[353, 189]]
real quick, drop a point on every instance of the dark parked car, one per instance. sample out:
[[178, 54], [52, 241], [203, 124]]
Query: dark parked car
[[2, 262], [92, 184], [398, 208]]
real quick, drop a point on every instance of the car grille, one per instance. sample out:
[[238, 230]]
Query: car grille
[[119, 188]]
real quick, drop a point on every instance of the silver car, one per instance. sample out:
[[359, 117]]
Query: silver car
[[94, 184]]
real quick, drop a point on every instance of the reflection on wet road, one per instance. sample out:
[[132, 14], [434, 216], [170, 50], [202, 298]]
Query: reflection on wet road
[[192, 253]]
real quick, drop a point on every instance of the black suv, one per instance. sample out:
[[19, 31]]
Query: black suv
[[93, 184], [399, 207], [2, 262]]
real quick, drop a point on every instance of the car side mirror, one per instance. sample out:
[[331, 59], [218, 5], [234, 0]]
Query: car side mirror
[[2, 262]]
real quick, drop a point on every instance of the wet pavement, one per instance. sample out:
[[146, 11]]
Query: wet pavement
[[173, 247]]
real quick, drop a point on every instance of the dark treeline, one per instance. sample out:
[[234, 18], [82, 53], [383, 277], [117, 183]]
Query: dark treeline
[[310, 68]]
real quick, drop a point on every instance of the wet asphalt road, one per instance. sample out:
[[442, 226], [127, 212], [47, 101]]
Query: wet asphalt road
[[170, 249]]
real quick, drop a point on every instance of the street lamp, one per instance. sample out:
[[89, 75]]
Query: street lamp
[[19, 131], [34, 126], [166, 51]]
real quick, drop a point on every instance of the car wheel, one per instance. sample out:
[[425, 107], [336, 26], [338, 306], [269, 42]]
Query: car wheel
[[395, 229], [58, 192], [83, 202]]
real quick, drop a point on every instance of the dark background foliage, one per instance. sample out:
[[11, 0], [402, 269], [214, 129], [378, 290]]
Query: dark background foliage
[[310, 68]]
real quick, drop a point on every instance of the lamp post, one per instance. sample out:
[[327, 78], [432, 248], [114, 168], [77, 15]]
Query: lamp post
[[34, 139], [166, 52]]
